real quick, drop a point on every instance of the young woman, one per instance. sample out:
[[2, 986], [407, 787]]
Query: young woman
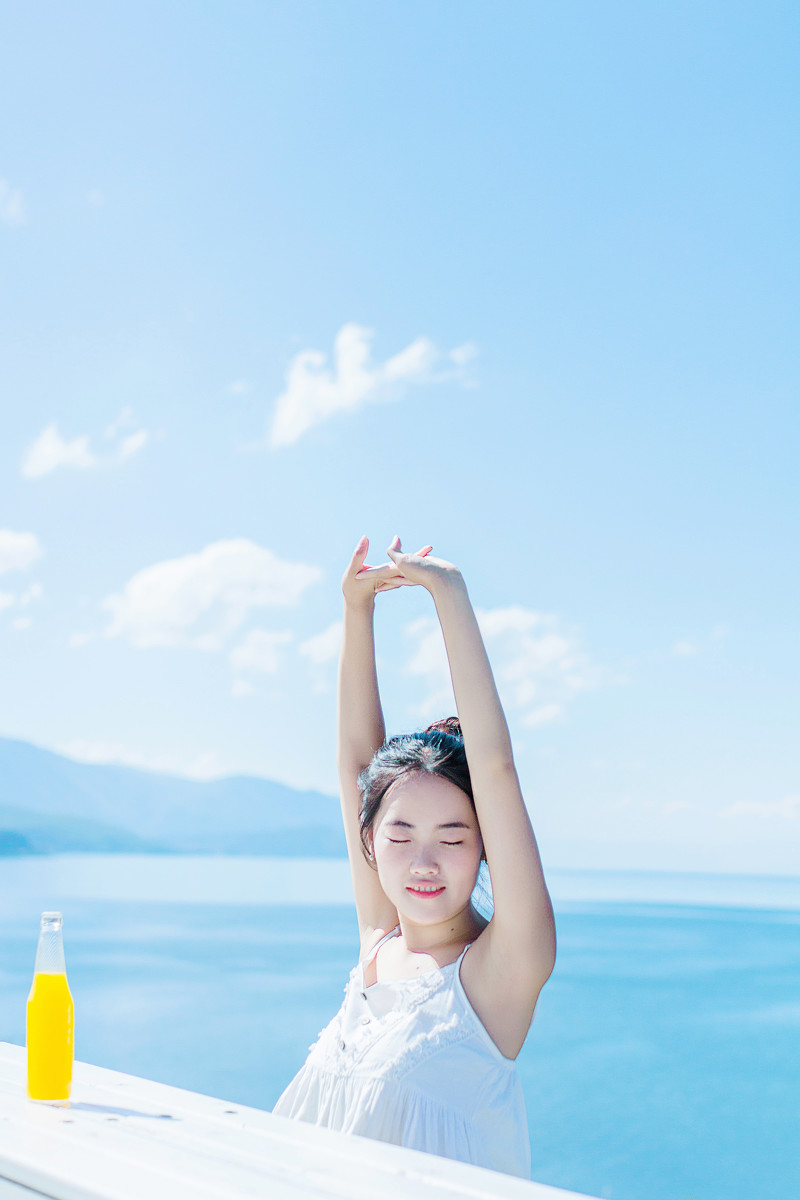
[[422, 1050]]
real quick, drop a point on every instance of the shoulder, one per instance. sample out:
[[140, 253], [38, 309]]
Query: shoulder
[[508, 959]]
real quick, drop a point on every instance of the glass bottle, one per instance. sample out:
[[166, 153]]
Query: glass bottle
[[50, 1024]]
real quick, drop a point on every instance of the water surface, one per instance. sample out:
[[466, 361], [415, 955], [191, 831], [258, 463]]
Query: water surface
[[664, 1058]]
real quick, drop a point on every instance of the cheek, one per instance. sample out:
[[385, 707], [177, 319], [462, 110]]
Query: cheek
[[468, 860], [388, 853]]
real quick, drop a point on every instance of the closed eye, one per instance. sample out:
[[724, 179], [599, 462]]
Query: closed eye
[[405, 841]]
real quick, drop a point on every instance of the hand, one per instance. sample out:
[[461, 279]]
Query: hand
[[360, 582], [422, 569]]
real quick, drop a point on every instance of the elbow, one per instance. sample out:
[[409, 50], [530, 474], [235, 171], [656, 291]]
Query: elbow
[[546, 950], [550, 960], [545, 966]]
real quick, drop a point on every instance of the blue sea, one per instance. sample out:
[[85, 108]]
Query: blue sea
[[664, 1058]]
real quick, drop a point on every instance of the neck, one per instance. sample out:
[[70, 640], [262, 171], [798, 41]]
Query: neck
[[459, 930]]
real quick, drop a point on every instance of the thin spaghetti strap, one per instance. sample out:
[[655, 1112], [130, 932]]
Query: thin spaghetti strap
[[386, 937]]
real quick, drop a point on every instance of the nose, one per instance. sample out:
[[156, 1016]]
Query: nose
[[425, 863]]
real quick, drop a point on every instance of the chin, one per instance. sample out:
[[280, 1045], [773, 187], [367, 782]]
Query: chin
[[430, 912]]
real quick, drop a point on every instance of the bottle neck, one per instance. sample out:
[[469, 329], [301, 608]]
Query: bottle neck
[[50, 951]]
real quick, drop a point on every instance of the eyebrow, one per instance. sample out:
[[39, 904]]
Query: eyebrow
[[448, 825]]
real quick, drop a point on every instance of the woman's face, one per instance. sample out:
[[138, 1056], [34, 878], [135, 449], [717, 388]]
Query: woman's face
[[427, 847]]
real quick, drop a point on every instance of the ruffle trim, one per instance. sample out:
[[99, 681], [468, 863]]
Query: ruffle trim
[[327, 1053], [412, 992]]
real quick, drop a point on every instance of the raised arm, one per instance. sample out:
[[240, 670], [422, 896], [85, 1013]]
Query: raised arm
[[361, 729], [518, 945]]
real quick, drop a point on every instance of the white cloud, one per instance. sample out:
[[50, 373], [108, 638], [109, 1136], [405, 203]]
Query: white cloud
[[50, 450], [124, 420], [321, 652], [537, 663], [430, 661], [201, 766], [242, 687], [461, 355], [314, 392], [30, 594], [12, 204], [18, 550], [201, 599], [259, 651], [765, 810], [542, 715], [323, 647], [133, 443], [24, 599], [687, 648]]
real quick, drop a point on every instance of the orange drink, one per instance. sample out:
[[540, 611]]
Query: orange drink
[[50, 1024]]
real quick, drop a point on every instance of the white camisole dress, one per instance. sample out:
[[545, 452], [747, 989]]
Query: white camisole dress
[[409, 1061]]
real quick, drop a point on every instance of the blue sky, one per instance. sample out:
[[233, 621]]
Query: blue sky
[[518, 280]]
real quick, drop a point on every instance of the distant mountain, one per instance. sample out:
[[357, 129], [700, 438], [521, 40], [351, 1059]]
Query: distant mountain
[[49, 803]]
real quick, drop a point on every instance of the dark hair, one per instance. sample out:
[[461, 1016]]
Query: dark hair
[[437, 750]]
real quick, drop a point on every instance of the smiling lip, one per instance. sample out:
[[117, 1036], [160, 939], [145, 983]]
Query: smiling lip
[[418, 892]]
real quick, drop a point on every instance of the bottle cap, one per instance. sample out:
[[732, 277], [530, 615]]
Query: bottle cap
[[49, 918]]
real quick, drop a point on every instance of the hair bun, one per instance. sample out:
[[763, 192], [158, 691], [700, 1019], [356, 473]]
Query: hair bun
[[450, 725]]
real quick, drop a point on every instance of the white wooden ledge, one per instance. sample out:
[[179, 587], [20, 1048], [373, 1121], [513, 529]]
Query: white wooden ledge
[[125, 1138]]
